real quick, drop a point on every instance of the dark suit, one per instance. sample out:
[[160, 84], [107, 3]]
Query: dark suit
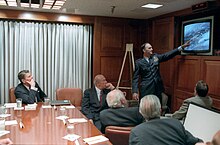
[[91, 106], [29, 96], [161, 132], [120, 117], [151, 82]]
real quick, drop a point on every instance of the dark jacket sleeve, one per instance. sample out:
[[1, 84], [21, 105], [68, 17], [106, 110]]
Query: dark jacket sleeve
[[168, 55], [135, 78], [86, 105], [28, 97], [190, 139], [41, 95], [134, 139]]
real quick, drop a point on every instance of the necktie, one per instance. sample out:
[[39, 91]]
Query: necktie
[[100, 98]]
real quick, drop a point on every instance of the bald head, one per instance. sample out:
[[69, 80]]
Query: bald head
[[100, 81], [116, 99]]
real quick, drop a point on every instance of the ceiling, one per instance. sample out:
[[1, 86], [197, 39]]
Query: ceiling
[[122, 8], [126, 8]]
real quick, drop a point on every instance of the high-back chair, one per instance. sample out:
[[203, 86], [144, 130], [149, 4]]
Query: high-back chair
[[72, 94], [118, 135], [12, 95]]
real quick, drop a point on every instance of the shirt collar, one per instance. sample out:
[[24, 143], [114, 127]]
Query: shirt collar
[[97, 90]]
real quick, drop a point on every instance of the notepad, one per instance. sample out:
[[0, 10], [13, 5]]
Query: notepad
[[11, 122], [95, 139], [4, 132], [77, 120], [71, 137]]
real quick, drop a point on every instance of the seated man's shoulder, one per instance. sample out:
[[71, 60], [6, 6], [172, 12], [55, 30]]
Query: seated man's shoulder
[[171, 121], [130, 111], [19, 87], [88, 91]]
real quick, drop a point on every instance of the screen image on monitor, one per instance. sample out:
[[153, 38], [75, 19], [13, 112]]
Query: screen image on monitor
[[202, 122], [200, 34]]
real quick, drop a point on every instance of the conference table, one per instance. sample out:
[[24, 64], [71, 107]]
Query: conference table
[[41, 127]]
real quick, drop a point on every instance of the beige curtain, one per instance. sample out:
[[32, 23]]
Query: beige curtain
[[58, 55]]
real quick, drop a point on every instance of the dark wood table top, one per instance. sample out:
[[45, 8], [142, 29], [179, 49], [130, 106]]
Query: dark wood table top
[[42, 128]]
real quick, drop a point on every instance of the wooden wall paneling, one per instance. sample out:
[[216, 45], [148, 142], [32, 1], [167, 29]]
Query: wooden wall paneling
[[163, 35], [167, 75], [187, 71], [110, 67], [108, 41], [112, 37], [132, 33], [163, 41], [210, 73]]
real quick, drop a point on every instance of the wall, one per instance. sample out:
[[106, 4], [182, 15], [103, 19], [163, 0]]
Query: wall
[[181, 74], [110, 38]]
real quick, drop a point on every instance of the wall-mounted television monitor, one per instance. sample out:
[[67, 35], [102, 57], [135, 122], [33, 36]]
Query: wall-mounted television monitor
[[200, 34]]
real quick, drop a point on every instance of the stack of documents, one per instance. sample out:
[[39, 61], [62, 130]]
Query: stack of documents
[[95, 139]]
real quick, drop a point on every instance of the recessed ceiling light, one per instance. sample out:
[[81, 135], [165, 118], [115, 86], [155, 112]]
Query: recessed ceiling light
[[42, 4], [152, 6]]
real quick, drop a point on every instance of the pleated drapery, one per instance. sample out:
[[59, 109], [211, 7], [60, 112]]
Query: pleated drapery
[[58, 55]]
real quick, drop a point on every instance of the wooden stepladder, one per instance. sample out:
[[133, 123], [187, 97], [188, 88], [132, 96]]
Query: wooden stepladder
[[129, 52]]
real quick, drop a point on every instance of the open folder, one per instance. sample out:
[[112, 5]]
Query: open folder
[[60, 102]]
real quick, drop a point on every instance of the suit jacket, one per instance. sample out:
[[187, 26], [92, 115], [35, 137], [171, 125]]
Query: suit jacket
[[203, 101], [151, 82], [161, 132], [29, 96], [120, 117], [91, 106]]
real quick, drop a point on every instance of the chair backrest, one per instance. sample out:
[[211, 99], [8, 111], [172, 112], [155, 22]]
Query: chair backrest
[[12, 95], [118, 135], [72, 94]]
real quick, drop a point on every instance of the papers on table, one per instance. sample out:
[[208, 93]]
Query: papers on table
[[4, 132], [5, 115], [69, 107], [95, 139], [46, 106], [10, 105], [71, 137], [11, 122], [31, 106], [20, 108], [62, 117], [77, 120]]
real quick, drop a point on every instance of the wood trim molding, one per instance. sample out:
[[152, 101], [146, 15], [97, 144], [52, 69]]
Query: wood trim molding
[[45, 16]]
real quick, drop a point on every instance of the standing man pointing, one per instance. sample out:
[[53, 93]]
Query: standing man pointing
[[147, 69]]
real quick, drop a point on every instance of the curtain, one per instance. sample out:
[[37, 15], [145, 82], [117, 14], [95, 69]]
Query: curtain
[[58, 55]]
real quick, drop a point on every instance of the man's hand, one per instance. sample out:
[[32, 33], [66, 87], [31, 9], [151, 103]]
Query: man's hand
[[6, 141], [186, 44], [31, 83], [91, 121], [109, 86], [135, 96]]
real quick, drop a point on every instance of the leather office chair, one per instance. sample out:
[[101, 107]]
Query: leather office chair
[[12, 95], [118, 135], [72, 94]]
